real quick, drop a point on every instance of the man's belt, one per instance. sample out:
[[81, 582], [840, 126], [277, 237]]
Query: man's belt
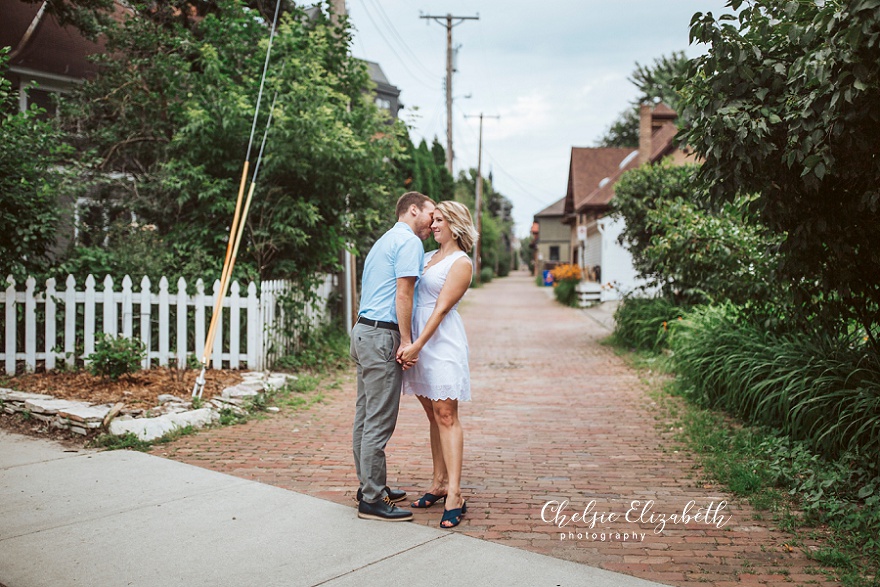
[[378, 324]]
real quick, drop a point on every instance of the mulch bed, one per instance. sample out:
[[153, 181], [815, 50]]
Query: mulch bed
[[139, 390]]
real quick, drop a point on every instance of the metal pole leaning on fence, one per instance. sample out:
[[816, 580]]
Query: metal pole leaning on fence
[[240, 216]]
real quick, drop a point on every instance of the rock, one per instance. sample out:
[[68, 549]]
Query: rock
[[240, 391], [85, 413], [50, 407], [273, 409], [153, 428], [276, 381], [166, 397], [11, 395], [227, 401], [112, 413]]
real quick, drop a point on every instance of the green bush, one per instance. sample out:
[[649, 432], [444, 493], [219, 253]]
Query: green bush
[[486, 274], [643, 323], [116, 356], [566, 292], [820, 387]]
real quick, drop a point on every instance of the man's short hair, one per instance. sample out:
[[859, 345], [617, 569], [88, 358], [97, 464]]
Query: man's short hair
[[410, 198]]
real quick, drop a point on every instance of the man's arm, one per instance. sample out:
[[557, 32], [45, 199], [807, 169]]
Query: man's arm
[[406, 287]]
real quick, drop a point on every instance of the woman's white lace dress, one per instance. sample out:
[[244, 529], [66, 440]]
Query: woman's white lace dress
[[442, 369]]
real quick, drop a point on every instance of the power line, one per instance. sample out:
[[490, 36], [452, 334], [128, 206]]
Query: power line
[[395, 53], [399, 38]]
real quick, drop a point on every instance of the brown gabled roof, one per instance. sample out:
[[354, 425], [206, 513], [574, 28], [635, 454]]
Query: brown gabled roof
[[588, 167], [49, 48], [601, 196], [555, 209]]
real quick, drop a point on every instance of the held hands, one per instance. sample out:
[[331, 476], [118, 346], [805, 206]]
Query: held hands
[[408, 355]]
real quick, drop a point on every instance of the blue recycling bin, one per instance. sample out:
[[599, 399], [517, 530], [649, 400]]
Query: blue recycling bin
[[548, 279]]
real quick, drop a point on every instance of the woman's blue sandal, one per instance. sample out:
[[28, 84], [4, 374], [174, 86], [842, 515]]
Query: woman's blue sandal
[[427, 500], [453, 516]]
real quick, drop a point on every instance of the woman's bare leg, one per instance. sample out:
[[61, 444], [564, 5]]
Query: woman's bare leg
[[452, 444], [438, 482]]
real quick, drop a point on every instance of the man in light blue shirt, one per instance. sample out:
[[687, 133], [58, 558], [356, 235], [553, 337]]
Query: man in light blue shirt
[[384, 324]]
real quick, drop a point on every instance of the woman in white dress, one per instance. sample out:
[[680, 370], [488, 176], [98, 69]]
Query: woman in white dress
[[436, 363]]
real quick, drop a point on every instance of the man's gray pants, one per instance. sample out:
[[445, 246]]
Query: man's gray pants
[[374, 350]]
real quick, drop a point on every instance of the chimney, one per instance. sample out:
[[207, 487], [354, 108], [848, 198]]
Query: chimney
[[338, 7], [646, 131]]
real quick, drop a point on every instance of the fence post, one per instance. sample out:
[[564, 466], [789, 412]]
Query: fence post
[[164, 322], [200, 319], [146, 313], [217, 351], [50, 323], [127, 308], [267, 305], [89, 313], [11, 323], [181, 323], [234, 325], [110, 326], [254, 356], [70, 322], [30, 326]]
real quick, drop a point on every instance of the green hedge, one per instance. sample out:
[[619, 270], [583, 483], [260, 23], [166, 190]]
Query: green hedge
[[818, 387], [642, 323]]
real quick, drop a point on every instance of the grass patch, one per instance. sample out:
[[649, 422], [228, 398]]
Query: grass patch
[[300, 393], [836, 501], [130, 441]]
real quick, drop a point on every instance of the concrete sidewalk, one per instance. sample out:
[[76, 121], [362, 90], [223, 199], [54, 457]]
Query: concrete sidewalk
[[101, 519]]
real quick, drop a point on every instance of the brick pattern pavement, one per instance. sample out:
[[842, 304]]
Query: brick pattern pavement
[[556, 417]]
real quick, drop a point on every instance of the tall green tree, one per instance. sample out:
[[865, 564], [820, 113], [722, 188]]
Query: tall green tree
[[784, 105], [656, 83], [497, 236], [424, 170], [172, 112]]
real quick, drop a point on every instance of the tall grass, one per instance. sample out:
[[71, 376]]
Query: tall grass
[[818, 387], [643, 323]]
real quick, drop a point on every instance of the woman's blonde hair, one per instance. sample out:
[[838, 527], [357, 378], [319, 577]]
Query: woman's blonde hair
[[458, 217]]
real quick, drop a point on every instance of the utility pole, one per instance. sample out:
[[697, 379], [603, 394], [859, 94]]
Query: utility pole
[[478, 206], [449, 24]]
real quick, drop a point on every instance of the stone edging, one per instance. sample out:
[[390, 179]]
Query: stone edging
[[172, 413]]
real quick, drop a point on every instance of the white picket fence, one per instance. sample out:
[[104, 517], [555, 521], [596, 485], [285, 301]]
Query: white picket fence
[[61, 326]]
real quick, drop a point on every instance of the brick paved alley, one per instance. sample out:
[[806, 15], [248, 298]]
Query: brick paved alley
[[556, 417]]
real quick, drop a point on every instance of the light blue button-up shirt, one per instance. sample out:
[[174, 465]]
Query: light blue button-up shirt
[[398, 253]]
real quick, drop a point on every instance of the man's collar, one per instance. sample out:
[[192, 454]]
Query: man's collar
[[404, 225]]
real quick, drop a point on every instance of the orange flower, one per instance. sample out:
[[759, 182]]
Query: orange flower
[[566, 272]]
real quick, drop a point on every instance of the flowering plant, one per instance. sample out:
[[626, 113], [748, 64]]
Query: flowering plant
[[565, 280], [566, 272]]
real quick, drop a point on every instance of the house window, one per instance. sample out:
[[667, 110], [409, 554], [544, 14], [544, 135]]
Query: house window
[[43, 99], [554, 253], [383, 103]]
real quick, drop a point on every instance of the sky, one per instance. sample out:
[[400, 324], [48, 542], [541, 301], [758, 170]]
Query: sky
[[554, 71]]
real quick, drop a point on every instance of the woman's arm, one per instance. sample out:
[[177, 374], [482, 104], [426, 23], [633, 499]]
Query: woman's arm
[[457, 282]]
